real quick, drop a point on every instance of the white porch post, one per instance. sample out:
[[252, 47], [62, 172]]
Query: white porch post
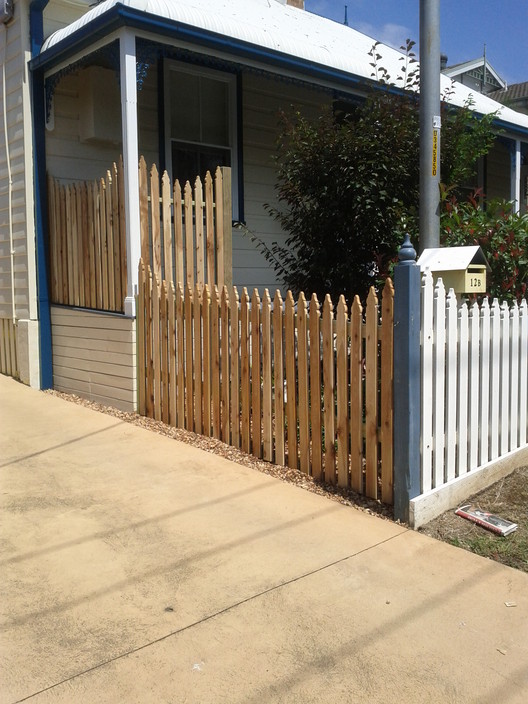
[[516, 176], [127, 47]]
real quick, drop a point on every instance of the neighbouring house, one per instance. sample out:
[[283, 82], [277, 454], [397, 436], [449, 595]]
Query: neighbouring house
[[477, 74], [514, 96], [188, 85], [480, 76]]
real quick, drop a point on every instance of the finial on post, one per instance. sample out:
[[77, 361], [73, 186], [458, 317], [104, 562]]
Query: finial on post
[[407, 253]]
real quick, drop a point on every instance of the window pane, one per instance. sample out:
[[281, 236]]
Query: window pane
[[185, 106], [214, 112], [190, 161]]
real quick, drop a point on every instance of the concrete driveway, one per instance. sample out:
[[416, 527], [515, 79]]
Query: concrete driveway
[[136, 569]]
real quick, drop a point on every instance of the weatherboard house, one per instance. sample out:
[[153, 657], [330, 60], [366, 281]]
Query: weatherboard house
[[186, 84]]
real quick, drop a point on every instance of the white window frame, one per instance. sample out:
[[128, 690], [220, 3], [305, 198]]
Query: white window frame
[[230, 80]]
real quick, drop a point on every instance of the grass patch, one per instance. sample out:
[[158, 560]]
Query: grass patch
[[507, 498]]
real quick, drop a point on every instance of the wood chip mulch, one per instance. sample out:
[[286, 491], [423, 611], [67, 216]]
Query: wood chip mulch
[[347, 497]]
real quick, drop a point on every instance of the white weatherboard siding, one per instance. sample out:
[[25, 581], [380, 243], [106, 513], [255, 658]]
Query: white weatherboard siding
[[68, 157], [263, 99], [94, 356], [60, 13], [17, 227]]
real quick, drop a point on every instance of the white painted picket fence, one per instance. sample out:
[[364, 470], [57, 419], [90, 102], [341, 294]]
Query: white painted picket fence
[[474, 383]]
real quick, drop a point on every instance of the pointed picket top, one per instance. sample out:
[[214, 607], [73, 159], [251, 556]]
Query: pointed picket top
[[244, 298], [206, 295], [266, 299], [255, 298], [277, 300], [215, 296], [197, 291], [234, 295], [208, 179], [314, 306], [187, 190], [328, 306], [224, 297], [463, 312], [372, 298], [356, 308], [474, 311], [342, 309], [427, 278], [301, 306], [439, 289], [388, 289], [524, 307], [505, 310], [154, 174], [176, 191], [451, 299]]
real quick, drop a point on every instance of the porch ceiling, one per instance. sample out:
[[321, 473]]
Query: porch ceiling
[[265, 32]]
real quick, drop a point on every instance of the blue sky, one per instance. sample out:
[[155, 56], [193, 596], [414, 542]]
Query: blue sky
[[465, 26]]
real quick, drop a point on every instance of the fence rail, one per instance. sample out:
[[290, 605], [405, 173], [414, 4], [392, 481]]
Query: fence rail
[[87, 242], [308, 387], [474, 383], [186, 233]]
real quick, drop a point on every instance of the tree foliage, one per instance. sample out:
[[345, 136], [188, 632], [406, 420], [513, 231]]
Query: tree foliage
[[348, 182], [503, 236]]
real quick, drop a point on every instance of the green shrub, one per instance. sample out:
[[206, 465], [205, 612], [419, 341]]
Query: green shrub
[[503, 236]]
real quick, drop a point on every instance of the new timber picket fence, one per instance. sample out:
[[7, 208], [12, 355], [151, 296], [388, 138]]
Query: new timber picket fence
[[186, 233], [309, 387], [87, 242], [474, 383]]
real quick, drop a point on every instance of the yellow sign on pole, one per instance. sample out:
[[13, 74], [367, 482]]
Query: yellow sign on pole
[[435, 152]]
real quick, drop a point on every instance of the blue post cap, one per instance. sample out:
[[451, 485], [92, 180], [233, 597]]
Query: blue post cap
[[407, 253]]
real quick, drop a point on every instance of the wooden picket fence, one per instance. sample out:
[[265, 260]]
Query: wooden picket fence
[[87, 242], [186, 234], [308, 387], [8, 348], [474, 383]]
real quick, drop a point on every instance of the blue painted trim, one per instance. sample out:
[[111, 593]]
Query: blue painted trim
[[240, 148], [36, 25], [36, 29], [41, 217], [407, 381], [161, 115]]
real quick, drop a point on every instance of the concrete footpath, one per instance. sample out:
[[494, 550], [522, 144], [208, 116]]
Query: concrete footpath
[[136, 569]]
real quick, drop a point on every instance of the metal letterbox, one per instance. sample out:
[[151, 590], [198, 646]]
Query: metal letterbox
[[463, 269]]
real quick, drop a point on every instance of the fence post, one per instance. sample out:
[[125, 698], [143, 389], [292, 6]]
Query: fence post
[[407, 420]]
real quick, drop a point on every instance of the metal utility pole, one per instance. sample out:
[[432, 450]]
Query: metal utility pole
[[429, 123]]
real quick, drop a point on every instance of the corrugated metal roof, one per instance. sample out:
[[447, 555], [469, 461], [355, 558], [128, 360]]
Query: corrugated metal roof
[[297, 33], [517, 91]]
